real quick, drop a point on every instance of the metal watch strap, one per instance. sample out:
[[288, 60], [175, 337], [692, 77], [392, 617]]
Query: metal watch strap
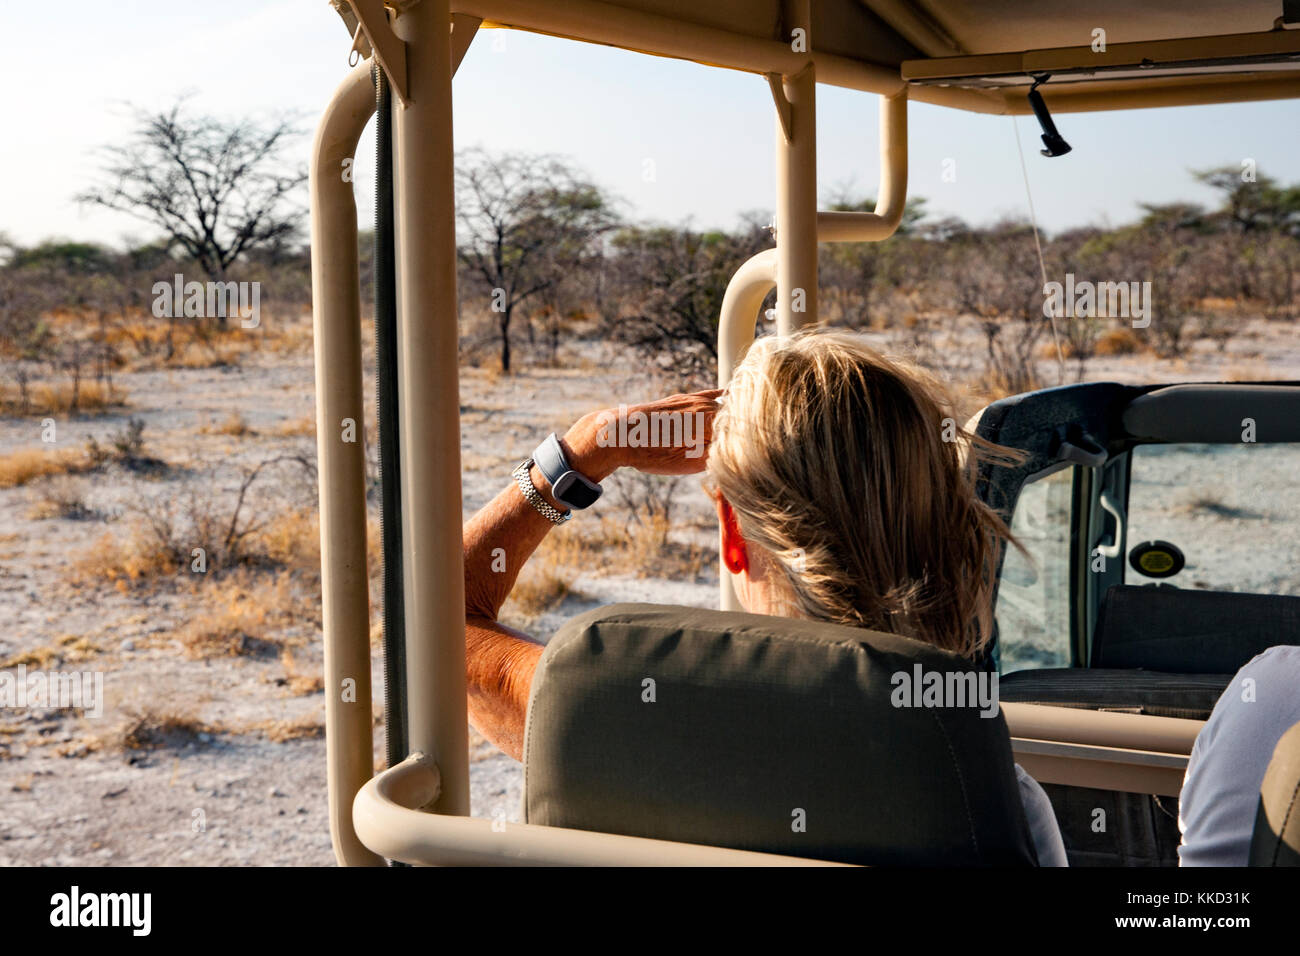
[[526, 487]]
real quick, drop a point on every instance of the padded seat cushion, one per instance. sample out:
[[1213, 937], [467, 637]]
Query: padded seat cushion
[[1190, 631], [768, 734], [1190, 696], [1276, 840]]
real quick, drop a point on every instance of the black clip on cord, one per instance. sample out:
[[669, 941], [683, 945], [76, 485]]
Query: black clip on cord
[[1052, 139]]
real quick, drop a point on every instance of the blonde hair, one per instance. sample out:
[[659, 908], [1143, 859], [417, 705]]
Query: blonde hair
[[849, 470]]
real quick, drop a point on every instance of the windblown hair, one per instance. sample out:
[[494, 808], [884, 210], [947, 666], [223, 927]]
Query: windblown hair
[[849, 470]]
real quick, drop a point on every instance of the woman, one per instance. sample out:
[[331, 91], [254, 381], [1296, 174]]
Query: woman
[[844, 492]]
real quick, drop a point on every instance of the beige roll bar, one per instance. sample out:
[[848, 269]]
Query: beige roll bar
[[388, 818], [891, 199], [1136, 753], [429, 392], [736, 323], [795, 97], [431, 426], [758, 276], [345, 607], [592, 21]]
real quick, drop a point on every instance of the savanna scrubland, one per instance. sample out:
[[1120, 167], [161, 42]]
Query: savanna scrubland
[[128, 440]]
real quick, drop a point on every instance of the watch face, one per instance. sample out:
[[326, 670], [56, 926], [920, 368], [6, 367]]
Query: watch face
[[575, 491]]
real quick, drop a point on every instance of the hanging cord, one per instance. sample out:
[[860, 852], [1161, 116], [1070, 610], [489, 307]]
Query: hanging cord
[[1042, 266]]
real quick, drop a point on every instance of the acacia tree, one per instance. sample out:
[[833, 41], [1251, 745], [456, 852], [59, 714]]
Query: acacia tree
[[851, 273], [996, 279], [671, 284], [217, 189], [1252, 203], [524, 224]]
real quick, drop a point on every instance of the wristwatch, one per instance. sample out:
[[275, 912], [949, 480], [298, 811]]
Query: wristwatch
[[570, 488]]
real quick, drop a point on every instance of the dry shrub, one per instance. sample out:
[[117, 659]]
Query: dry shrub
[[143, 336], [492, 371], [60, 497], [233, 424], [20, 467], [993, 384], [283, 731], [538, 589], [233, 617], [292, 540], [299, 426], [299, 684], [156, 728], [241, 614], [188, 345], [646, 549], [46, 398], [126, 561], [1119, 342], [289, 338], [649, 551], [1247, 372], [41, 658], [200, 355], [164, 538]]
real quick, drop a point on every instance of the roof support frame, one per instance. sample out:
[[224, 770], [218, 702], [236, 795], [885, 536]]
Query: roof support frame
[[429, 393], [423, 801], [796, 183], [372, 20], [345, 597]]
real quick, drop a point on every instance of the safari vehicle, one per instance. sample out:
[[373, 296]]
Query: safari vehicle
[[1107, 674]]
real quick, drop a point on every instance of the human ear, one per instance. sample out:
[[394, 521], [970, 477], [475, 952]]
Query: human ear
[[734, 553]]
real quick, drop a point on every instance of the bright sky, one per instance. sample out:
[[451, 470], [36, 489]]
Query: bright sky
[[74, 66]]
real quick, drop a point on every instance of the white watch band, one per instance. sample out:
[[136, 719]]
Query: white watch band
[[525, 483]]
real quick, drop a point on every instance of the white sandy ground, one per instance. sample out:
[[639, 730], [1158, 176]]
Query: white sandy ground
[[263, 802]]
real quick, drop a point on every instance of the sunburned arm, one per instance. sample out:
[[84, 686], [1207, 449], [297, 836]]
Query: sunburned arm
[[500, 661]]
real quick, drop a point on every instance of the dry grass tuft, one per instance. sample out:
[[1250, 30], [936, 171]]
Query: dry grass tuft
[[157, 728], [1248, 372], [644, 549], [289, 338], [125, 561], [993, 384], [234, 425], [61, 497], [158, 547], [40, 657], [239, 616], [292, 540], [45, 398], [23, 466], [283, 731], [1119, 342], [539, 589], [299, 684], [68, 649], [299, 426]]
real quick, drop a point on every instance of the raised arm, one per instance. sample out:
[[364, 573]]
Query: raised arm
[[498, 540]]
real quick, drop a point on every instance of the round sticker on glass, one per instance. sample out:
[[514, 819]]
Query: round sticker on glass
[[1156, 559]]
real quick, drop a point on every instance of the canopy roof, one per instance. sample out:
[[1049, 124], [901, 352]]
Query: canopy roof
[[970, 54]]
